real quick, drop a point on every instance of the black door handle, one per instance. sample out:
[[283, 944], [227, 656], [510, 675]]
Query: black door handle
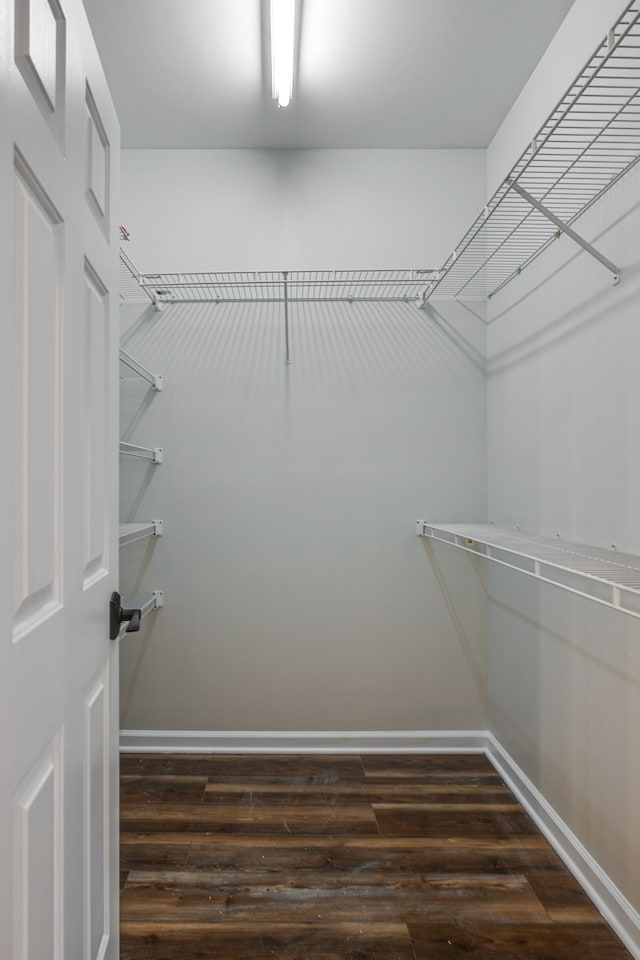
[[118, 615]]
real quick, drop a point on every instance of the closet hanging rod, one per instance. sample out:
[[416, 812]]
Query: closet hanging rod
[[347, 298], [587, 144], [146, 281]]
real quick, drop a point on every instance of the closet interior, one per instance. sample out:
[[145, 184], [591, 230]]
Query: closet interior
[[311, 415]]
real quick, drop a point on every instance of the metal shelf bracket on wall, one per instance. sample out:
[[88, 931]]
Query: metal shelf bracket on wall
[[285, 288], [565, 228], [153, 378], [153, 454], [130, 532]]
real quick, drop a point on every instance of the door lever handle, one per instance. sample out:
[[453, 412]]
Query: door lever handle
[[133, 616], [118, 615]]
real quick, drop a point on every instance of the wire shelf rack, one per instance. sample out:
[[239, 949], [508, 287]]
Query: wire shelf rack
[[606, 576], [131, 289], [269, 286], [131, 532], [587, 144], [152, 454]]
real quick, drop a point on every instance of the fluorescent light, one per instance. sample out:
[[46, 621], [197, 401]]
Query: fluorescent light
[[283, 20]]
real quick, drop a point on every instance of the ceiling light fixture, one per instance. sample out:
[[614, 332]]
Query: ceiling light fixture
[[283, 27]]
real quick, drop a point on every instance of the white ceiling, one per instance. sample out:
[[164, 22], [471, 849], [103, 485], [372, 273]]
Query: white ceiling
[[372, 73]]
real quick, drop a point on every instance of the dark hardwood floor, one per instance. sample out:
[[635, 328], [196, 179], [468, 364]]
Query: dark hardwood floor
[[341, 858]]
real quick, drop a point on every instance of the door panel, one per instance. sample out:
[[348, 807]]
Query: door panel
[[96, 817], [98, 180], [59, 148], [96, 429], [37, 453], [38, 847], [40, 47]]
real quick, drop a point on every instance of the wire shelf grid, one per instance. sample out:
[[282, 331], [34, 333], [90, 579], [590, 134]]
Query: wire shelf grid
[[586, 145], [132, 532], [269, 286], [606, 576], [153, 454], [131, 288]]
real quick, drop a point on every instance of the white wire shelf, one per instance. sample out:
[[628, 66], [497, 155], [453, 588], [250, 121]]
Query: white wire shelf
[[130, 532], [266, 286], [140, 370], [131, 290], [606, 576], [586, 145], [153, 454]]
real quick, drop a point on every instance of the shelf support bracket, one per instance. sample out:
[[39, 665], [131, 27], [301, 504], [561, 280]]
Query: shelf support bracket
[[285, 286], [565, 228], [154, 379]]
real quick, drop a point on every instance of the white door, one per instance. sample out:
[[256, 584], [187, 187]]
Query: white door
[[59, 147]]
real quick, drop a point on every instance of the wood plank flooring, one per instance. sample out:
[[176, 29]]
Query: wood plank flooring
[[341, 858]]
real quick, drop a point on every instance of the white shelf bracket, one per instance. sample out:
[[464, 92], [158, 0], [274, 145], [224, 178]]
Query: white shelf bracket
[[152, 454], [153, 378], [285, 287], [565, 228], [132, 532]]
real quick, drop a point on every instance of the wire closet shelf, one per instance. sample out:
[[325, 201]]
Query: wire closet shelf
[[271, 286], [587, 144], [132, 532], [606, 576]]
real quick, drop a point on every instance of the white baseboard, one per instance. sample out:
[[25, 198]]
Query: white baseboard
[[368, 741], [611, 903]]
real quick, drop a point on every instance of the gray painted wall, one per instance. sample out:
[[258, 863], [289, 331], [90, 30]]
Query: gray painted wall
[[298, 209], [564, 458], [297, 595]]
